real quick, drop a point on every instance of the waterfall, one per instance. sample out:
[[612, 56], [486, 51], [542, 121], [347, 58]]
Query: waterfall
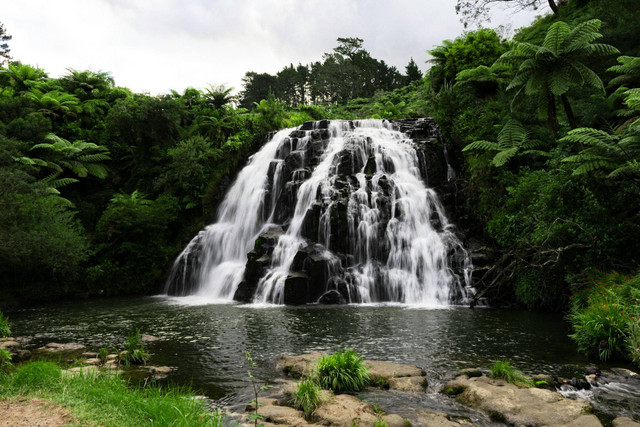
[[331, 212]]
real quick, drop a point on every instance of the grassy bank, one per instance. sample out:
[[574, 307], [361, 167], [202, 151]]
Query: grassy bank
[[107, 399]]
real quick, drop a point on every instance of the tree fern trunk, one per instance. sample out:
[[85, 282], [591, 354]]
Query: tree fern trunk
[[568, 111], [552, 113], [553, 6]]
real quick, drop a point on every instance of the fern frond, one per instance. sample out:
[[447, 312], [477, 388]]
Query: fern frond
[[482, 145], [504, 156], [556, 36]]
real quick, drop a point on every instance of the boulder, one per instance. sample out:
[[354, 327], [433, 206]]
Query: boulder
[[346, 410], [436, 419], [469, 372], [332, 297], [298, 366], [515, 405], [282, 415], [625, 422]]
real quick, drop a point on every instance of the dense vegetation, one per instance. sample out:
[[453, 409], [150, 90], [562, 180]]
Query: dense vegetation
[[102, 186]]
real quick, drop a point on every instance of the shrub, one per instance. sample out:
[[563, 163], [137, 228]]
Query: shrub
[[503, 370], [307, 397], [134, 351], [5, 356], [5, 330], [602, 315], [633, 341], [342, 371]]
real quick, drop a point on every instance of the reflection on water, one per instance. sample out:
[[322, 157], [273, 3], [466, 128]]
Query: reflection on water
[[207, 342]]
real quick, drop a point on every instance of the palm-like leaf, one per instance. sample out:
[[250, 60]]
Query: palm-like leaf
[[551, 70], [512, 141], [80, 157], [616, 154]]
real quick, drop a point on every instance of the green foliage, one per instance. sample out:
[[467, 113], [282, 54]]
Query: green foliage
[[102, 354], [550, 70], [134, 351], [475, 48], [633, 340], [380, 423], [616, 154], [108, 400], [5, 330], [132, 235], [501, 369], [602, 314], [512, 141], [308, 397], [342, 371]]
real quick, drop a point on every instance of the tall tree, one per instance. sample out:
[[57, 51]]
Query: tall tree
[[4, 47], [477, 11], [549, 71], [412, 72]]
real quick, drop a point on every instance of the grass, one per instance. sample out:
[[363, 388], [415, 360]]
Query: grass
[[134, 351], [342, 371], [501, 369], [108, 400], [308, 397]]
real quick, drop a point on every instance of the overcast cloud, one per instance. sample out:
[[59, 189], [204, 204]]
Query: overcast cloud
[[157, 45]]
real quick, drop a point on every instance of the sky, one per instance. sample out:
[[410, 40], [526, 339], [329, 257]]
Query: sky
[[154, 46]]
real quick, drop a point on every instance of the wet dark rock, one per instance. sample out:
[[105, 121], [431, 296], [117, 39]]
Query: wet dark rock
[[332, 297], [297, 289], [258, 260], [592, 370]]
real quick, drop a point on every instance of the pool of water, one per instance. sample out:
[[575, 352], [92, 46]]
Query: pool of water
[[207, 343]]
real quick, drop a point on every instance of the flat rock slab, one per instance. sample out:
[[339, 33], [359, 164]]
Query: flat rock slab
[[438, 419], [625, 422], [521, 406], [385, 370], [282, 415], [298, 366], [347, 410], [54, 347], [397, 376]]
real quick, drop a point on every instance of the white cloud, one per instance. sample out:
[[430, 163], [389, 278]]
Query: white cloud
[[157, 45]]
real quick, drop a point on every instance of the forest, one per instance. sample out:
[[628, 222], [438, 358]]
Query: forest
[[102, 187]]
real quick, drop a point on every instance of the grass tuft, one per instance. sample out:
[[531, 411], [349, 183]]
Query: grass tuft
[[342, 371], [308, 397], [503, 370]]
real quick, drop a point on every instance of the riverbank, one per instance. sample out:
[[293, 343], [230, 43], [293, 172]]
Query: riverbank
[[491, 400], [43, 393]]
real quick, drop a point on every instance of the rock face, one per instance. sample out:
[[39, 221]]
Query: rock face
[[519, 406], [335, 206], [316, 276]]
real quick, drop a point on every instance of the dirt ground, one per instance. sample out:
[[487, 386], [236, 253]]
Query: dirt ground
[[32, 413]]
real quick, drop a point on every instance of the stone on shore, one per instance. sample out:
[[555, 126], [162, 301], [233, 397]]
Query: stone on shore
[[520, 406], [54, 347], [625, 422], [396, 376]]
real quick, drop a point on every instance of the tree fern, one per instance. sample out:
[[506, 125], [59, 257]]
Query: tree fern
[[512, 141], [551, 70]]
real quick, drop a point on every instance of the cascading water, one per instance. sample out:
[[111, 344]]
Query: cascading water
[[332, 212]]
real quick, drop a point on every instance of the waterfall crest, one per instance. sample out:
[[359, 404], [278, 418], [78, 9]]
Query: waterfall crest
[[331, 212]]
